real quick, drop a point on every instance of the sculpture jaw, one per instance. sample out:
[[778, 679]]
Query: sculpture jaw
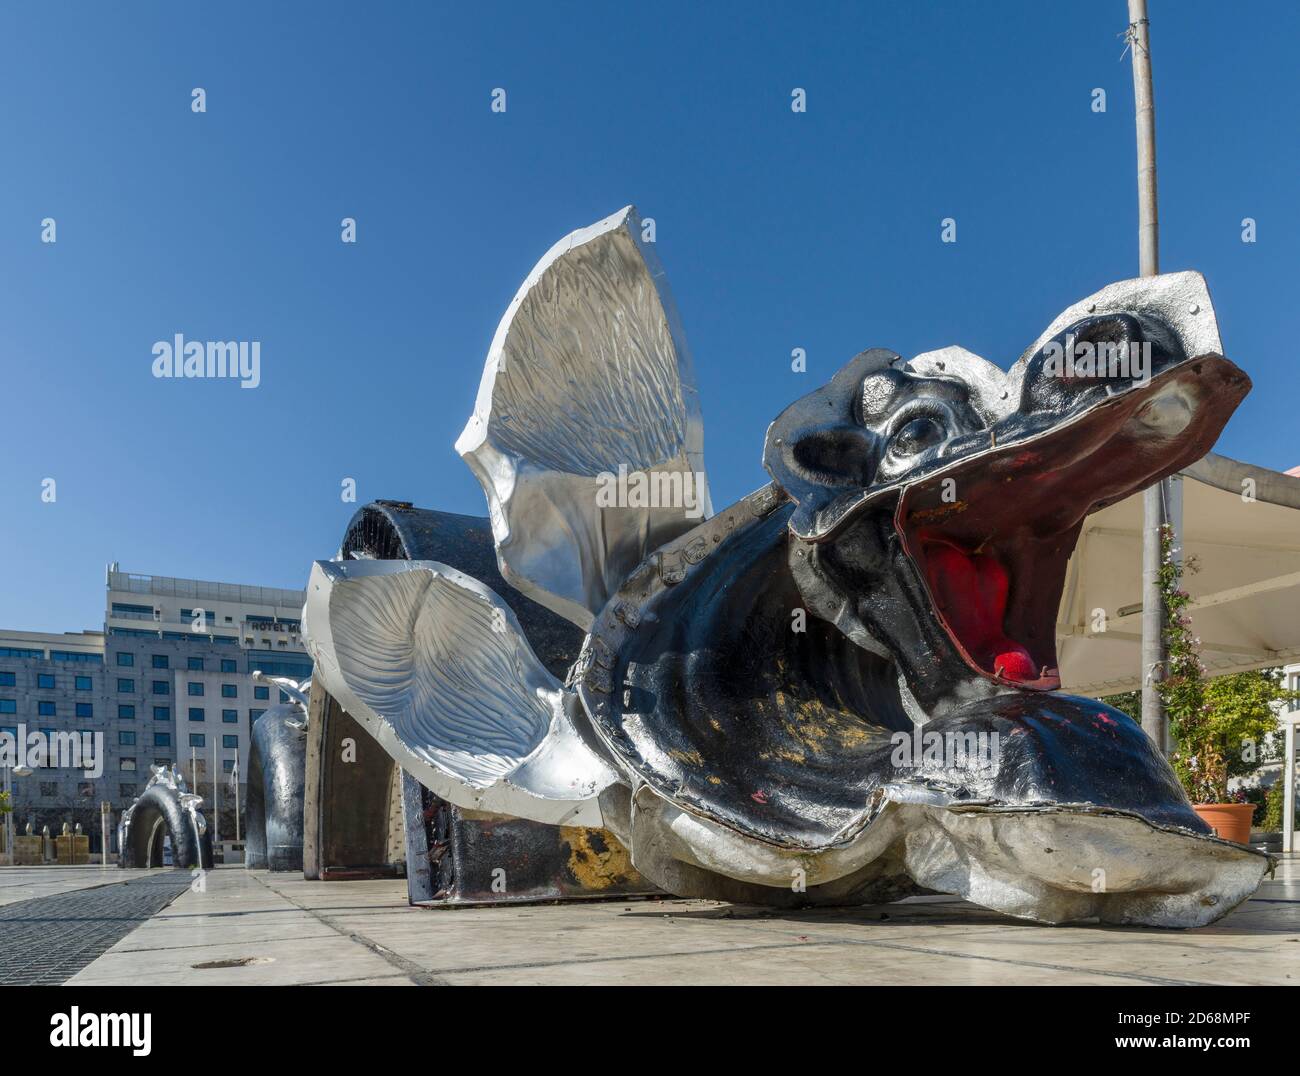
[[990, 536], [957, 574]]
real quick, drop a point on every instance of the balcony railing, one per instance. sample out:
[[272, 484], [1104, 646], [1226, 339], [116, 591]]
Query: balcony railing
[[276, 597]]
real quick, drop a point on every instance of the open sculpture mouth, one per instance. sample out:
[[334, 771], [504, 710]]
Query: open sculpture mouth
[[996, 597], [991, 535]]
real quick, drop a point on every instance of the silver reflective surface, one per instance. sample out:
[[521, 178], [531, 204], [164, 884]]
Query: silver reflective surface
[[436, 668], [588, 373]]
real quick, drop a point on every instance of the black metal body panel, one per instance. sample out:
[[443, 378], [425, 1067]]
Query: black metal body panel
[[457, 856]]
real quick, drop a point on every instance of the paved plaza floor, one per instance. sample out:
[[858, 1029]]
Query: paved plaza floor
[[56, 920], [251, 927]]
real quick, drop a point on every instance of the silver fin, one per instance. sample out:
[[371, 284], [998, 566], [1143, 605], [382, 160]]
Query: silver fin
[[435, 666], [588, 374]]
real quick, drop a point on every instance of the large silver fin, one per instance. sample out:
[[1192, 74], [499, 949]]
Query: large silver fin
[[435, 666], [588, 377]]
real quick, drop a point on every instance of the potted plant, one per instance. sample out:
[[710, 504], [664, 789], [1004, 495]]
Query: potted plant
[[1218, 725]]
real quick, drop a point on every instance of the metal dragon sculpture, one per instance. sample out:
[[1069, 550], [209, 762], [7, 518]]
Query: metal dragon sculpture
[[165, 809], [277, 763], [841, 688]]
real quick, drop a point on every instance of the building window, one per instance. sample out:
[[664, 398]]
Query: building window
[[160, 661], [49, 789], [194, 687], [45, 680], [230, 741], [273, 663], [126, 711], [7, 680], [228, 665], [161, 687], [228, 764], [126, 739], [8, 706], [86, 790], [262, 693], [77, 655], [196, 739], [127, 609], [230, 691], [46, 709], [20, 652], [85, 709], [253, 715], [127, 792], [83, 683], [230, 717], [194, 664], [126, 685], [162, 739], [125, 659], [197, 714], [163, 762], [162, 713]]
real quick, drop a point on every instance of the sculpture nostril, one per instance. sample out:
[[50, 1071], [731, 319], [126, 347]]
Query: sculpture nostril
[[1167, 415], [1111, 351]]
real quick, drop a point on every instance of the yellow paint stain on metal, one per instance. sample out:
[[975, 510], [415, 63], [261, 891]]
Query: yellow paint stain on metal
[[597, 869], [818, 727], [937, 515]]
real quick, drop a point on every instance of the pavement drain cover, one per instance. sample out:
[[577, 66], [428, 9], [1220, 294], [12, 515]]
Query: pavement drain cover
[[234, 962], [47, 940]]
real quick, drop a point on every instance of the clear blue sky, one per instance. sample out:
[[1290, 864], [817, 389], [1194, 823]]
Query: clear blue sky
[[778, 231]]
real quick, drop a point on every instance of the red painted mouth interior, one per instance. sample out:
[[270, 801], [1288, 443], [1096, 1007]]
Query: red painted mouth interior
[[970, 592]]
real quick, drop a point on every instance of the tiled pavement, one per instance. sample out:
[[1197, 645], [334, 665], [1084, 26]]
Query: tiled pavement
[[48, 939], [250, 927]]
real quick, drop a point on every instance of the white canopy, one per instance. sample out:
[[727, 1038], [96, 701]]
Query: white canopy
[[1241, 528]]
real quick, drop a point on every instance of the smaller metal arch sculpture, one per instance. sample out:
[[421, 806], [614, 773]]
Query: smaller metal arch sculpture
[[277, 766], [166, 808]]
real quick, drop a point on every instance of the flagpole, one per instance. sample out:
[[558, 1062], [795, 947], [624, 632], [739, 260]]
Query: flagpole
[[234, 781], [216, 799], [1156, 499]]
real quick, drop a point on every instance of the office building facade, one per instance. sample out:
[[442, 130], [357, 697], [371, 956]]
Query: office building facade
[[167, 680]]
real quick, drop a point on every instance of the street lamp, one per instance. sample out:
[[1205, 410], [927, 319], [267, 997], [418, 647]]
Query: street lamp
[[10, 773]]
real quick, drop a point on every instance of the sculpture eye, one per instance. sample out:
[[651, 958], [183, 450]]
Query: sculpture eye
[[918, 435]]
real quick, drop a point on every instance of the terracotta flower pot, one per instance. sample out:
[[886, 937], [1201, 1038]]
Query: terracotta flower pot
[[1231, 821]]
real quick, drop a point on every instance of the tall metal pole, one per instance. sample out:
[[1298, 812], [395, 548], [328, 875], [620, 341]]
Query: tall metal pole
[[1156, 499], [216, 798], [9, 818]]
